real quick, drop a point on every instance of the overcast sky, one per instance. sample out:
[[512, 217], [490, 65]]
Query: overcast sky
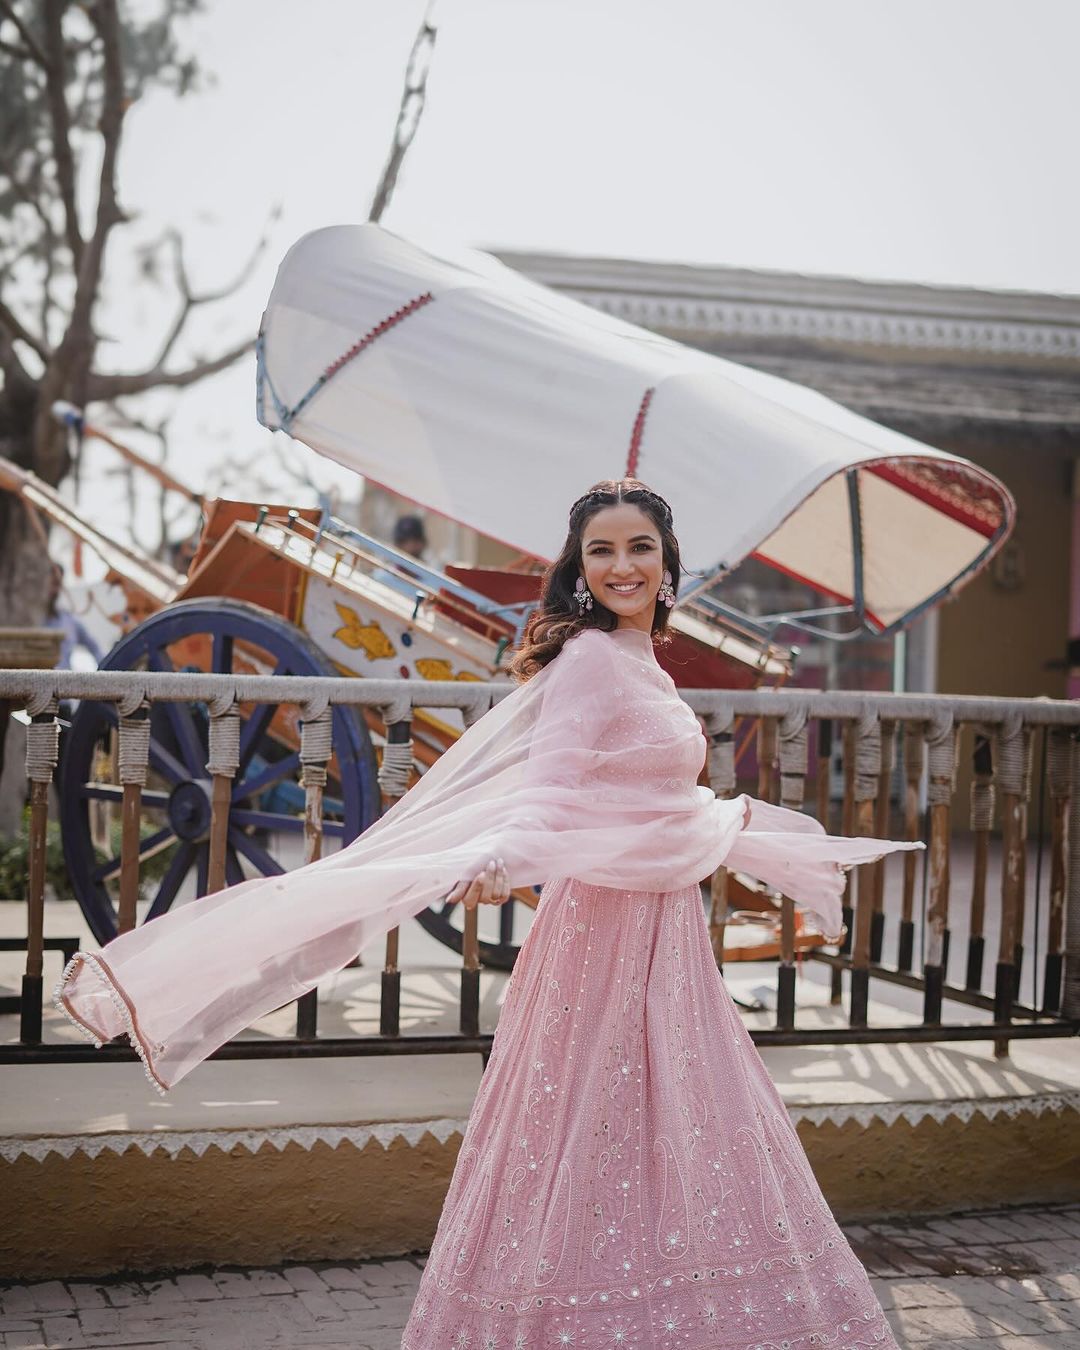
[[930, 140]]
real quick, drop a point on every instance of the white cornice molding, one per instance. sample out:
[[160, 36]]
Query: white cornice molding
[[681, 300]]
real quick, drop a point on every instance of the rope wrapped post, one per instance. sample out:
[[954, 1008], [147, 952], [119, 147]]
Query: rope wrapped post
[[823, 776], [469, 1022], [1021, 899], [1058, 755], [766, 758], [981, 823], [866, 772], [134, 757], [1014, 745], [941, 744], [914, 768], [847, 826], [42, 752], [823, 795], [395, 770], [882, 812], [1071, 998], [793, 765], [720, 734], [316, 748], [222, 764]]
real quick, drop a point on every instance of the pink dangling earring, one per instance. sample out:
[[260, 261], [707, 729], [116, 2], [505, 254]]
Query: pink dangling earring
[[666, 593], [583, 596]]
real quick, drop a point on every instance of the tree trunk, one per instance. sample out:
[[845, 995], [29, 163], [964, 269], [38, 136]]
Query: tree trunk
[[24, 574], [24, 567]]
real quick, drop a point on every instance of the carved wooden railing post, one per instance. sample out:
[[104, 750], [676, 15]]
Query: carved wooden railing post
[[42, 752], [766, 758], [395, 771], [823, 799], [720, 733], [470, 948], [982, 822], [316, 748], [823, 773], [941, 752], [1070, 1005], [866, 763], [914, 767], [134, 753], [1021, 899], [847, 826], [1058, 753], [882, 831], [1013, 749], [222, 763], [793, 745]]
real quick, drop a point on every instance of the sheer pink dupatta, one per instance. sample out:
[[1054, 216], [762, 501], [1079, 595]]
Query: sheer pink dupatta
[[588, 770]]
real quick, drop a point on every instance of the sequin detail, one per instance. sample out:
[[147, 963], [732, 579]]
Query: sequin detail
[[629, 1176]]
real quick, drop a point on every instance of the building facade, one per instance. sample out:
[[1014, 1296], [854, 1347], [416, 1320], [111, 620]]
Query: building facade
[[991, 375]]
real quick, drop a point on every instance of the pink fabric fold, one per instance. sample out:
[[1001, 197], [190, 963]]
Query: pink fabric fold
[[589, 771]]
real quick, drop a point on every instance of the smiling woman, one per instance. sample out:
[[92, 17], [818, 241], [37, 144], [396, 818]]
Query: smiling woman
[[619, 568], [623, 563], [629, 1175]]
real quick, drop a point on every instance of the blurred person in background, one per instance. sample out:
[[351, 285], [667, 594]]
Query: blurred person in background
[[410, 537], [76, 636]]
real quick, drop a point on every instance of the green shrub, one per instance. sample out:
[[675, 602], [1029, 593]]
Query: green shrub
[[15, 861]]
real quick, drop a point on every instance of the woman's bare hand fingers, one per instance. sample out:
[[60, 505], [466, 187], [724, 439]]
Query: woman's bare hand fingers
[[483, 889], [487, 883], [465, 893]]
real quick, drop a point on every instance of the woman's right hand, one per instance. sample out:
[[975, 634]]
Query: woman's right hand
[[489, 887]]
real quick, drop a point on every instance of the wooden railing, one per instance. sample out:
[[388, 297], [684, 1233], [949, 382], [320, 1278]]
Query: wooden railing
[[897, 754]]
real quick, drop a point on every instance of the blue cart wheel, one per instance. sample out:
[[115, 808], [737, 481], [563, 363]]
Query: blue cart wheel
[[497, 929], [224, 636]]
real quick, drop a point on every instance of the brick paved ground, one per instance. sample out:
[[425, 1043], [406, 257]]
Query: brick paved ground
[[1001, 1280]]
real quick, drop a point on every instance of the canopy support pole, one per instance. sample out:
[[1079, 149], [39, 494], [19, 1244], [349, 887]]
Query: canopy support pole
[[857, 593]]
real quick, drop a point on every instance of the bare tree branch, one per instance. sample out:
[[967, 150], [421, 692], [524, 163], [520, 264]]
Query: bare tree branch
[[14, 371], [190, 300], [106, 20], [104, 388], [33, 50], [20, 53], [61, 123], [24, 194], [411, 110], [17, 330]]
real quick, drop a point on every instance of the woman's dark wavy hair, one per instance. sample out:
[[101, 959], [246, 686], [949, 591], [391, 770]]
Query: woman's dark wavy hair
[[558, 618]]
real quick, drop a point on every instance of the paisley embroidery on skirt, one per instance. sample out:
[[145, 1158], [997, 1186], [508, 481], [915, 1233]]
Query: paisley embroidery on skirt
[[673, 1214]]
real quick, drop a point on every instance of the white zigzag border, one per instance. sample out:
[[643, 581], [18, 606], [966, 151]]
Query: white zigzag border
[[174, 1142]]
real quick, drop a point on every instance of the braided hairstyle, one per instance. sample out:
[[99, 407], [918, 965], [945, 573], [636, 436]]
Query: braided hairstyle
[[558, 618]]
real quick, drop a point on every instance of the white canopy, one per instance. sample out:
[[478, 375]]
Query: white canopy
[[494, 401]]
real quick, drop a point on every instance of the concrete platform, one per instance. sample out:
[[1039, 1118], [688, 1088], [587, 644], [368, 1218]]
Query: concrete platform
[[264, 1163]]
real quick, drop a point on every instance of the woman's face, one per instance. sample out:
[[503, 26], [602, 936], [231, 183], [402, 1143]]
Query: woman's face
[[622, 562]]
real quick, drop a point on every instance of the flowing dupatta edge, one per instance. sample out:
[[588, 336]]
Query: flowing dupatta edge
[[764, 847], [98, 966]]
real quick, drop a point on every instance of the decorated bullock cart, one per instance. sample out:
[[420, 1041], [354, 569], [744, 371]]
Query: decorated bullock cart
[[494, 402]]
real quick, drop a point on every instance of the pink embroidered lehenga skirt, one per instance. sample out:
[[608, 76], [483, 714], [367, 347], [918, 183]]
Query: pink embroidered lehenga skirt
[[629, 1176]]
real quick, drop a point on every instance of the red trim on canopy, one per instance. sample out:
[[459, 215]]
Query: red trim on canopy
[[636, 434], [948, 489]]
